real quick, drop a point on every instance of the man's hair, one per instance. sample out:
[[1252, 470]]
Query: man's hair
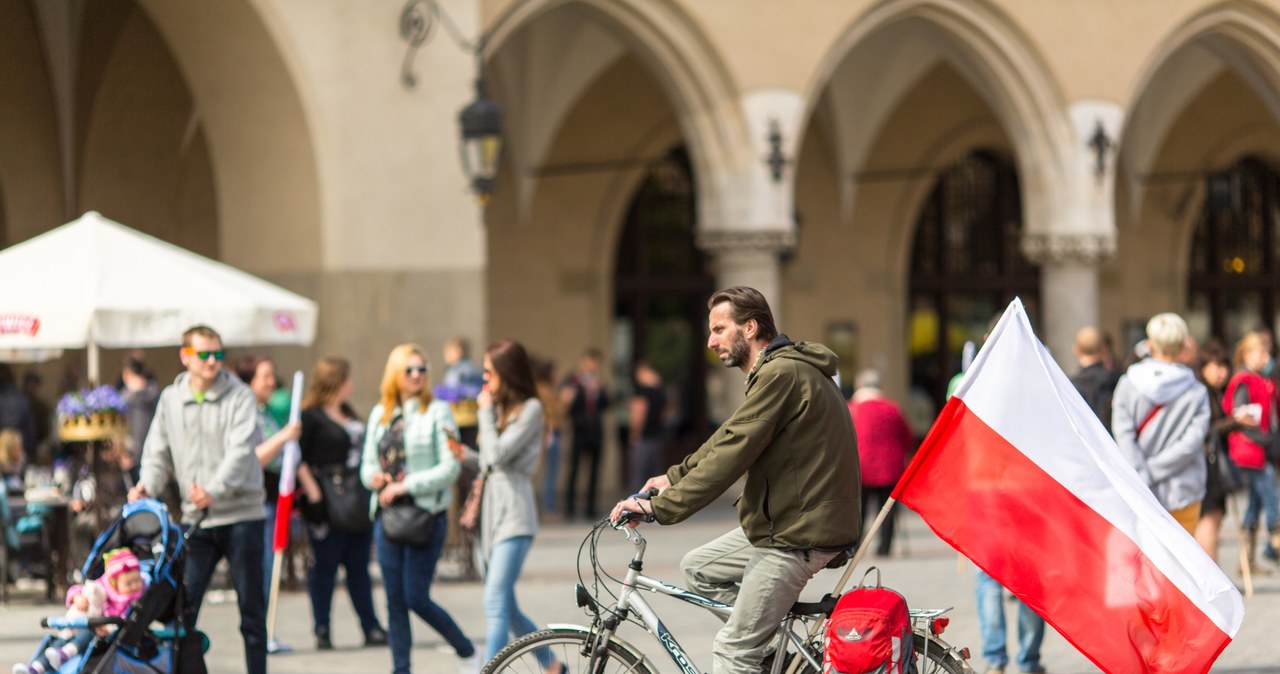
[[869, 378], [745, 304], [1089, 341], [201, 330], [462, 344], [1167, 334]]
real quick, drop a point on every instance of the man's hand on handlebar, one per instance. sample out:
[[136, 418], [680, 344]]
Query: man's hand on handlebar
[[658, 482], [635, 509]]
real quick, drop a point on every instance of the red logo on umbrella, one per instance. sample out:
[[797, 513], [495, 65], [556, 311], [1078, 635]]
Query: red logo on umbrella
[[19, 324], [284, 322]]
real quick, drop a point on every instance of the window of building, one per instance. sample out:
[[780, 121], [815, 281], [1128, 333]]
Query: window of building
[[966, 265], [1233, 277]]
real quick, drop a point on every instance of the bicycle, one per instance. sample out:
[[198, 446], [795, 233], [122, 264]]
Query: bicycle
[[596, 649]]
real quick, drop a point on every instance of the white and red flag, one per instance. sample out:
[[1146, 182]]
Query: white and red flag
[[1021, 477], [290, 457]]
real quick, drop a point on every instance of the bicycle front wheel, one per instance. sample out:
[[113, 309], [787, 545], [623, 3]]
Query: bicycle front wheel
[[568, 646], [934, 659]]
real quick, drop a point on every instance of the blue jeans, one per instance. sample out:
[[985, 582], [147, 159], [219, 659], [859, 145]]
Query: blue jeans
[[551, 474], [991, 624], [241, 544], [406, 576], [351, 552], [506, 559], [1260, 485]]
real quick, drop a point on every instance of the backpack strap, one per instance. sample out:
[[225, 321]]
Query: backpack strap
[[863, 583], [1146, 420]]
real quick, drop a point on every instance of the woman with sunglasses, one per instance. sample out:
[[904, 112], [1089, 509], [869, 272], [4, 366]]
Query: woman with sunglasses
[[510, 439], [413, 427]]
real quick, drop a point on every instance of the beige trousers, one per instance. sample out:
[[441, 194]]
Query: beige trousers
[[760, 583]]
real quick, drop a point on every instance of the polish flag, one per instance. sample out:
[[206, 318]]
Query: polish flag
[[1020, 476], [289, 460]]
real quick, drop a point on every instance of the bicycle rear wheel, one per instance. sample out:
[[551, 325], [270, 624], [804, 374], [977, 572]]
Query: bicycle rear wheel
[[934, 659], [569, 647]]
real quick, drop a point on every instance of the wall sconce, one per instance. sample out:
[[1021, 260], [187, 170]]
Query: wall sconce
[[480, 122], [1101, 144], [775, 160]]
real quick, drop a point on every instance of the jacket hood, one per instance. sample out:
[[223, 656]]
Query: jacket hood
[[221, 384], [1160, 382], [812, 353]]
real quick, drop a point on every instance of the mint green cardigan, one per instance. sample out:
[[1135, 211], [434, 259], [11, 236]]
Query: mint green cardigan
[[429, 465]]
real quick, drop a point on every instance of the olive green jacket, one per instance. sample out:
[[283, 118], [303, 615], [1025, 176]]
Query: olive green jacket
[[793, 438]]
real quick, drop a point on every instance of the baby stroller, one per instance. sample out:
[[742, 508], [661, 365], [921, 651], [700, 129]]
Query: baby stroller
[[144, 527]]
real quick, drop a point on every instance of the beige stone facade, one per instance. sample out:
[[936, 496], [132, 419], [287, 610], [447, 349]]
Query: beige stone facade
[[277, 135]]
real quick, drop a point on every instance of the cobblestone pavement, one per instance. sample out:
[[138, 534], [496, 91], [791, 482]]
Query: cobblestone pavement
[[923, 568]]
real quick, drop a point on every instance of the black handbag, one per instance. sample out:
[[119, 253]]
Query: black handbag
[[346, 500], [404, 523]]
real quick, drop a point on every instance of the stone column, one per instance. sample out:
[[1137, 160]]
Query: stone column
[[744, 258], [1069, 286]]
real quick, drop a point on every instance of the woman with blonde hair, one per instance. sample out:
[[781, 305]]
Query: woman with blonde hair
[[408, 463], [332, 443], [1250, 399]]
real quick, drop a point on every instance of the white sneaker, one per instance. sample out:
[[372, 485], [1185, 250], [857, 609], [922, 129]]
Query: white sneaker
[[19, 668], [472, 664], [54, 655]]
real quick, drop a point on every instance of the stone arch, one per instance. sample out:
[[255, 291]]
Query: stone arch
[[1242, 37], [993, 55], [693, 76], [1208, 97], [237, 62]]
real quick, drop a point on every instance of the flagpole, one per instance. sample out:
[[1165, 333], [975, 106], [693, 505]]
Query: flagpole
[[862, 547], [284, 513], [272, 604]]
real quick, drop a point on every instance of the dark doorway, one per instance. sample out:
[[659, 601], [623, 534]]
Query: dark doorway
[[966, 266], [1234, 273], [661, 286]]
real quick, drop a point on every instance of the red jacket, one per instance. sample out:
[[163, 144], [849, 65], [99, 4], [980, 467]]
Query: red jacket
[[1245, 452], [884, 440]]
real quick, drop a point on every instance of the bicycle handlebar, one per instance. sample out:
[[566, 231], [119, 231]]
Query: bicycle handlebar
[[63, 622], [627, 516]]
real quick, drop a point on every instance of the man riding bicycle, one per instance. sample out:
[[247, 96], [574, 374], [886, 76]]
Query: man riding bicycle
[[793, 438]]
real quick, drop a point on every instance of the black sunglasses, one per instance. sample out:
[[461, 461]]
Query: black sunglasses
[[415, 369]]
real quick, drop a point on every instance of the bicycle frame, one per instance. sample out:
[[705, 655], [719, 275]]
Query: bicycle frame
[[631, 600]]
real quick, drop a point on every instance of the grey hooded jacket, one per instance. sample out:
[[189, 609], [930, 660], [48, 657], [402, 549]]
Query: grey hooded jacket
[[209, 443], [1169, 453]]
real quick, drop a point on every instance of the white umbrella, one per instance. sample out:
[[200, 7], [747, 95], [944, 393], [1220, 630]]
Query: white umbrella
[[96, 283]]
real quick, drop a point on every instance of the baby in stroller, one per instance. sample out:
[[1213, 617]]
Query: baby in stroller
[[143, 604], [110, 595]]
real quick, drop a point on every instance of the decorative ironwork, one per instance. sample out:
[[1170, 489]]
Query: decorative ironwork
[[775, 160], [1101, 145], [418, 23]]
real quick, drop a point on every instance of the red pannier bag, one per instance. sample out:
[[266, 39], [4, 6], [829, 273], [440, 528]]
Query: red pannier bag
[[869, 632]]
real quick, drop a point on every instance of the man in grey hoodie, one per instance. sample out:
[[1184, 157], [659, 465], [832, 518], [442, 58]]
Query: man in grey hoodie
[[1159, 417], [202, 436]]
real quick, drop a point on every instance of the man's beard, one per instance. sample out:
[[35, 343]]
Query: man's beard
[[738, 352]]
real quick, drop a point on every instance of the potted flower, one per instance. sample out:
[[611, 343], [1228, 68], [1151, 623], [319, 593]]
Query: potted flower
[[91, 414], [462, 399]]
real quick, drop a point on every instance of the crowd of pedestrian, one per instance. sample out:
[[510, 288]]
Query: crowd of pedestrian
[[1197, 423]]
